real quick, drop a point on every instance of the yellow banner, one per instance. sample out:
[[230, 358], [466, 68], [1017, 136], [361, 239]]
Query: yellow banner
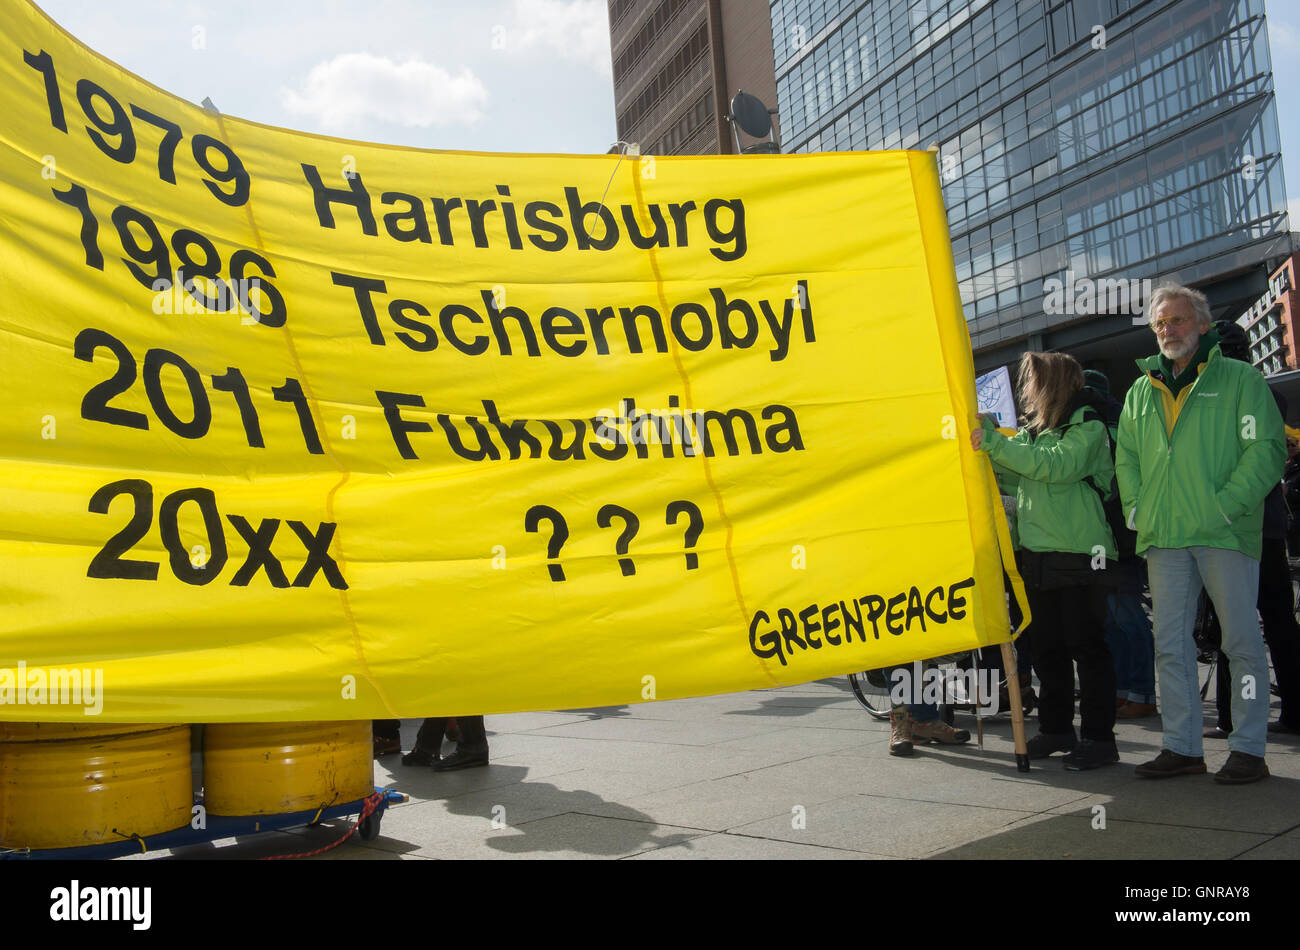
[[304, 428]]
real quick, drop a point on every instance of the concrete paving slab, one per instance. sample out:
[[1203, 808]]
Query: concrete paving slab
[[588, 836], [732, 802], [801, 741], [1269, 807], [889, 826], [697, 732], [1282, 848], [423, 784], [1046, 837], [725, 847]]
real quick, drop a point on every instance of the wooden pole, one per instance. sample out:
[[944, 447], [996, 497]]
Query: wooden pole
[[1017, 707]]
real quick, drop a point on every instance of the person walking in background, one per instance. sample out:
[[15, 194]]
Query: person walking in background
[[1200, 445], [1066, 545]]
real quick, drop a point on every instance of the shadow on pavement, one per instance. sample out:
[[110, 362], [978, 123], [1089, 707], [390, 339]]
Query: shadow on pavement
[[617, 830]]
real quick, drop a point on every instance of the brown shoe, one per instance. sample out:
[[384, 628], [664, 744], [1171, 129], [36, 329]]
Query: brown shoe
[[938, 731], [1241, 769], [386, 746], [1169, 763], [900, 731], [1120, 703], [1131, 710]]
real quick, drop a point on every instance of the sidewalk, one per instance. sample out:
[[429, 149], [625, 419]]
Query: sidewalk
[[799, 772]]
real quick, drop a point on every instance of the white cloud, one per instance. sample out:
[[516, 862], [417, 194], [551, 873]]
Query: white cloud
[[1293, 209], [1283, 37], [352, 87], [574, 29]]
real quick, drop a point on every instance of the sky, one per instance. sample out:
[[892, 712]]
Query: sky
[[489, 75]]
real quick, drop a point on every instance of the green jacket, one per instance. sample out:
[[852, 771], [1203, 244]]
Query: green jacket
[[1056, 509], [1197, 467]]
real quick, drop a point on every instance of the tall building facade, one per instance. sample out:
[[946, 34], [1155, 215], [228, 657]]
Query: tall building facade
[[1087, 148], [1270, 323], [677, 63]]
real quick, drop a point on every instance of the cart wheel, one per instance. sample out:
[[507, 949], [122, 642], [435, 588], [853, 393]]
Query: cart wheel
[[369, 828]]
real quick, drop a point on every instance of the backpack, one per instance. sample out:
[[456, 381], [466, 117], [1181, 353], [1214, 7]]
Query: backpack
[[1125, 537]]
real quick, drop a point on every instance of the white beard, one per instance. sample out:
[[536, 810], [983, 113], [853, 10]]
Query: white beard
[[1175, 352]]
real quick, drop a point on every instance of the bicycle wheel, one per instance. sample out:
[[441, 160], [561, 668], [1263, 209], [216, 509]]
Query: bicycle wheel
[[872, 691]]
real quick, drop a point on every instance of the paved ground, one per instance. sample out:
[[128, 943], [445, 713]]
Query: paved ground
[[799, 772]]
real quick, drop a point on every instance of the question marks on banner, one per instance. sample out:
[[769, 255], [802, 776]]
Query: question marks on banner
[[631, 525], [693, 528], [559, 534], [605, 519], [199, 37]]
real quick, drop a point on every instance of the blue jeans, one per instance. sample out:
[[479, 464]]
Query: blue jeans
[[1128, 634], [1232, 580]]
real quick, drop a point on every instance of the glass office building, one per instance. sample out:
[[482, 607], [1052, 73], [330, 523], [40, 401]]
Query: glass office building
[[1079, 140]]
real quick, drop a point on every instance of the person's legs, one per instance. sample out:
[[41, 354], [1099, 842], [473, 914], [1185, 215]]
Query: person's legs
[[1140, 655], [923, 723], [1083, 619], [1232, 579], [473, 734], [428, 742], [1281, 633], [1175, 587], [1051, 657], [1117, 641], [386, 735]]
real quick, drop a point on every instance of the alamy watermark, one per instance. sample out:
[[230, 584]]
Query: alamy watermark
[[1087, 296], [936, 685], [52, 686]]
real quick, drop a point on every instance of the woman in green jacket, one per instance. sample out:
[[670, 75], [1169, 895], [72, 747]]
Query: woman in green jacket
[[1065, 544]]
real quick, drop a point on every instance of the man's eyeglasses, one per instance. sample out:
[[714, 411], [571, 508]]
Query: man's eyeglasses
[[1165, 324]]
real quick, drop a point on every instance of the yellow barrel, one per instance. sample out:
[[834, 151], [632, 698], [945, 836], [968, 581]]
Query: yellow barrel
[[279, 767], [43, 731], [66, 789]]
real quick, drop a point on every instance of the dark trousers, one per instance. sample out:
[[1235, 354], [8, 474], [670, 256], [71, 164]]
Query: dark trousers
[[387, 728], [473, 734], [1068, 628], [1276, 605]]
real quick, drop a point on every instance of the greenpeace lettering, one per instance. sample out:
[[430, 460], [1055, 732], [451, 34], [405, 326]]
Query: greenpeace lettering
[[865, 616], [351, 431]]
